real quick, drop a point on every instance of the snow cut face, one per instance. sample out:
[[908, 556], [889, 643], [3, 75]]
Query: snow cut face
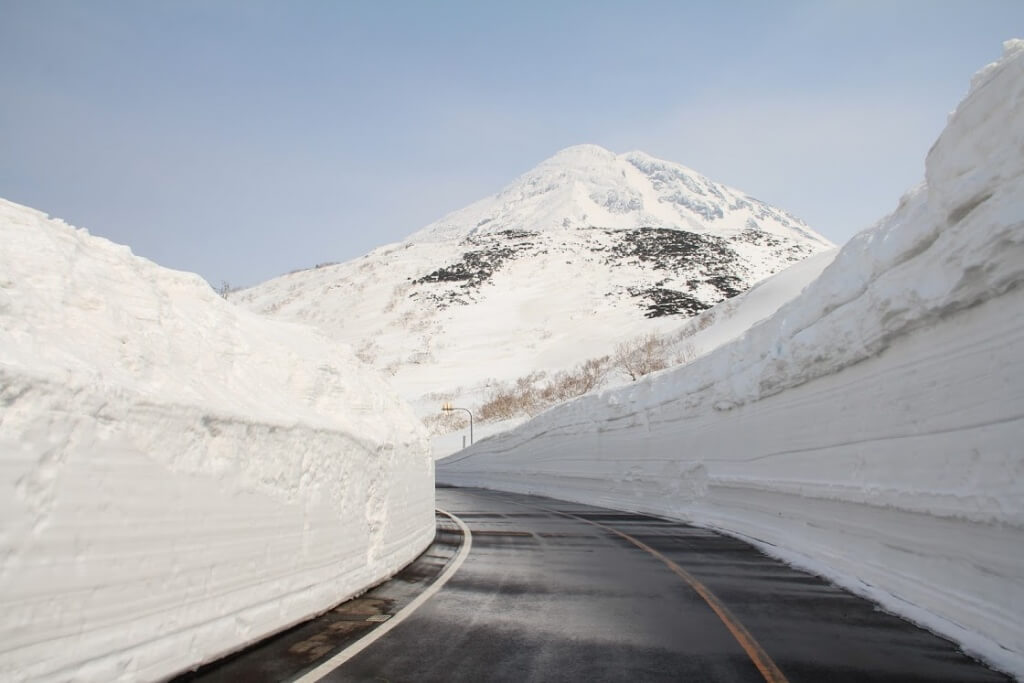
[[180, 476]]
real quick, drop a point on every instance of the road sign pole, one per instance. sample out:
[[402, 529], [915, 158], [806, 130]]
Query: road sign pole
[[448, 407]]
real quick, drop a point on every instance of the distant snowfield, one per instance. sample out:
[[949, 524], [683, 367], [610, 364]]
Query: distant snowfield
[[180, 477], [870, 429]]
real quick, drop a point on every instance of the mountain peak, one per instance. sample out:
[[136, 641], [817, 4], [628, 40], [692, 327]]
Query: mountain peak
[[580, 155], [588, 186]]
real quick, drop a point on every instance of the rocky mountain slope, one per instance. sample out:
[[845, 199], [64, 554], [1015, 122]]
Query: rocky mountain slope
[[585, 250]]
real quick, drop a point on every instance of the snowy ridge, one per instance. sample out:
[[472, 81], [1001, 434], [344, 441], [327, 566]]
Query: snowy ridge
[[870, 429], [183, 477], [587, 186], [586, 250]]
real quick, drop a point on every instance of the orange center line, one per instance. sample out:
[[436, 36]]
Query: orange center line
[[757, 654]]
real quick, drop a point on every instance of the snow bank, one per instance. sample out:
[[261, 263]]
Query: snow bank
[[871, 429], [181, 477], [731, 318]]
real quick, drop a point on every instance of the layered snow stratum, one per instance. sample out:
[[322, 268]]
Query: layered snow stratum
[[180, 476], [871, 429]]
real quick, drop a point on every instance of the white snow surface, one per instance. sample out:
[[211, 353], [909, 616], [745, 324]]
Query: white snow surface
[[698, 336], [181, 476], [869, 430], [559, 279], [588, 186], [731, 318]]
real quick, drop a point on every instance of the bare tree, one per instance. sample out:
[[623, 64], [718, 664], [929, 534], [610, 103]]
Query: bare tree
[[642, 355], [593, 372]]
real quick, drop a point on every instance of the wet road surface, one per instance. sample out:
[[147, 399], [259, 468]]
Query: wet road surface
[[556, 591]]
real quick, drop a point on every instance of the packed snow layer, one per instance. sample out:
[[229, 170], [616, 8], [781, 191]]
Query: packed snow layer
[[181, 476], [871, 429]]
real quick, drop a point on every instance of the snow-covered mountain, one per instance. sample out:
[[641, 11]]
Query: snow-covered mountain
[[585, 250]]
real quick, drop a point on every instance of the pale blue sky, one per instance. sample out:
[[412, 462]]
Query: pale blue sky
[[243, 139]]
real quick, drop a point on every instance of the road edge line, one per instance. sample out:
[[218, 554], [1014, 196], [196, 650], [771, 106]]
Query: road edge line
[[373, 636]]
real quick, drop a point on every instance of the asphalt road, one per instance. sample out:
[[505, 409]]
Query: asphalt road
[[556, 591]]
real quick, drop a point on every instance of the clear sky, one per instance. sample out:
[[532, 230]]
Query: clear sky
[[243, 139]]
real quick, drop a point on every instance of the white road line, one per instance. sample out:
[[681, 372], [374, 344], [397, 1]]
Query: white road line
[[402, 614]]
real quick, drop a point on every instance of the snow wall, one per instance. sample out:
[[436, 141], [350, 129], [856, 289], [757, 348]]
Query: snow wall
[[180, 476], [872, 430]]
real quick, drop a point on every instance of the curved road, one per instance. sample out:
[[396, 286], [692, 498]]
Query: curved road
[[556, 591]]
